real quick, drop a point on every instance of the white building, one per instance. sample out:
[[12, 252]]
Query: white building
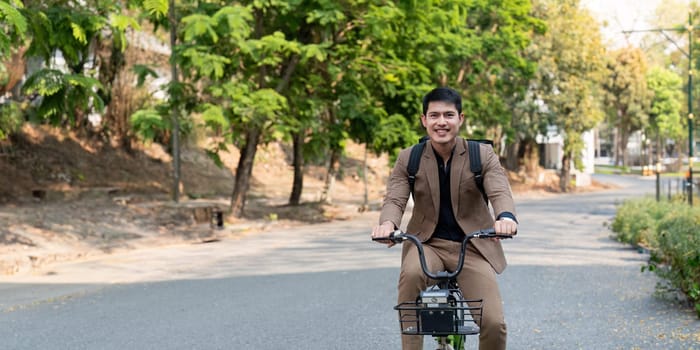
[[552, 150]]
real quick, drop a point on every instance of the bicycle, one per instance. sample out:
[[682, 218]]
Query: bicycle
[[441, 310]]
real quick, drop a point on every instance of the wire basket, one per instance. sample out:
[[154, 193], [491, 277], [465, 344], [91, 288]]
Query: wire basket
[[461, 317]]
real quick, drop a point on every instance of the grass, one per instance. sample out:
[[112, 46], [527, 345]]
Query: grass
[[617, 170]]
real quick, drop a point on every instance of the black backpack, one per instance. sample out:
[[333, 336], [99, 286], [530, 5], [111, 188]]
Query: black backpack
[[474, 163]]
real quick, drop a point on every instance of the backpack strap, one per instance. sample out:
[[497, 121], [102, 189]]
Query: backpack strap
[[475, 166], [474, 163], [414, 162]]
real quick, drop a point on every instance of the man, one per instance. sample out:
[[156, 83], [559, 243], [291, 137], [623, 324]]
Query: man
[[448, 204]]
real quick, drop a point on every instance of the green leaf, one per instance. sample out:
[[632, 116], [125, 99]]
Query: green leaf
[[142, 72], [147, 123], [315, 51], [197, 25], [13, 17], [157, 8], [79, 33], [206, 64], [237, 21], [214, 117], [45, 82]]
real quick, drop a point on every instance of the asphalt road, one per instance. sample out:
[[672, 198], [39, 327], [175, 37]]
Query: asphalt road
[[568, 286]]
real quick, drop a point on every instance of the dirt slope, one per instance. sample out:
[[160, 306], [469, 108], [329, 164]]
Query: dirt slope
[[62, 198]]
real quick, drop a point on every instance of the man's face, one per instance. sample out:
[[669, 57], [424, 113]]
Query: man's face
[[442, 121]]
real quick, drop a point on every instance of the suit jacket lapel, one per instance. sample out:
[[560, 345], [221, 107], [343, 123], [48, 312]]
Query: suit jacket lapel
[[431, 171], [459, 161]]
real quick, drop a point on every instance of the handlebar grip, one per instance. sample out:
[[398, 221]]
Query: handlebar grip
[[489, 233], [395, 237]]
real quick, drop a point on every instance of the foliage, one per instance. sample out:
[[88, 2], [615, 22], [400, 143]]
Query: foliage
[[666, 104], [149, 124], [64, 35], [154, 125], [13, 27], [66, 29], [62, 94], [636, 221], [10, 118], [627, 95], [679, 249], [570, 70], [671, 231], [393, 134], [407, 48]]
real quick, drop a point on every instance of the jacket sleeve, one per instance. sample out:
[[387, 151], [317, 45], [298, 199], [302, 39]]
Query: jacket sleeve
[[496, 183], [397, 191]]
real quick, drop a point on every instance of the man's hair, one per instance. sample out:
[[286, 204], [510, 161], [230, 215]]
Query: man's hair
[[443, 94]]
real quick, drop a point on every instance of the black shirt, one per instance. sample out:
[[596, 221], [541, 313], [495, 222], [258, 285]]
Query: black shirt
[[447, 227]]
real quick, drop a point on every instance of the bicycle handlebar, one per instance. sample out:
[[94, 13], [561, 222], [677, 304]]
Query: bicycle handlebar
[[399, 237]]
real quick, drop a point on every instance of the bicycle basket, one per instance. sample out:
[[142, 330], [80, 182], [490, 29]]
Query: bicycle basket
[[461, 317]]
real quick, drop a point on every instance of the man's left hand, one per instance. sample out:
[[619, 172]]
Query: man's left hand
[[506, 226]]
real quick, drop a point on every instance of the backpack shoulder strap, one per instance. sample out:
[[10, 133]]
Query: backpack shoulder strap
[[414, 162], [475, 166]]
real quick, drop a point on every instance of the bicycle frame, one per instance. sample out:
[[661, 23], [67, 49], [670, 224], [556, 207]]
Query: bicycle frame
[[441, 310]]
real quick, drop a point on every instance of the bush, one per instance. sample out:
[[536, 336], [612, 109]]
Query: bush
[[679, 249], [671, 231], [10, 118], [636, 221]]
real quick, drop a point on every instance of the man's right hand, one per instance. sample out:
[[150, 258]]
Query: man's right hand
[[383, 231]]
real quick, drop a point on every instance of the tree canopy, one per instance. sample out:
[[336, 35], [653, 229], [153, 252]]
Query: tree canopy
[[317, 73]]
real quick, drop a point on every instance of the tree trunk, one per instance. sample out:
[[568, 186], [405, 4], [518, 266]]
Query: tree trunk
[[298, 185], [244, 172], [326, 194], [365, 204], [253, 134], [513, 156], [15, 67], [530, 155], [616, 146], [624, 139], [172, 19], [565, 177], [117, 94], [659, 151]]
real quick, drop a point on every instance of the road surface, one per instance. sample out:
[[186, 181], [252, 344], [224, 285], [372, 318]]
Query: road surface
[[568, 286]]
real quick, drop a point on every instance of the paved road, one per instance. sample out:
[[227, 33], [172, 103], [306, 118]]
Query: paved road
[[327, 287]]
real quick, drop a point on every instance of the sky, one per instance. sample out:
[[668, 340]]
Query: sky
[[623, 15]]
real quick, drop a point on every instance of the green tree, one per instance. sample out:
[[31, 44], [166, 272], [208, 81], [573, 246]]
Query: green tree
[[627, 97], [318, 25], [665, 107], [477, 47], [243, 65], [73, 30], [395, 52], [13, 31], [572, 67]]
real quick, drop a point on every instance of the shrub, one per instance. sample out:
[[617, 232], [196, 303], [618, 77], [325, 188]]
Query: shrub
[[636, 221], [679, 249], [671, 231], [10, 118]]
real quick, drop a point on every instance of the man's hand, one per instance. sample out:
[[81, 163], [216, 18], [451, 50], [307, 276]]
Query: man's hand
[[506, 226], [383, 231]]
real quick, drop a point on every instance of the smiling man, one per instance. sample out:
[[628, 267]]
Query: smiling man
[[448, 204]]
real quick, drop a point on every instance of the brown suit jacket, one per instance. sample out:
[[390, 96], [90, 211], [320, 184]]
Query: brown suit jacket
[[471, 212]]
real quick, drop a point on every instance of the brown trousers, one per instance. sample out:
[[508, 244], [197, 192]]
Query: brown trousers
[[477, 281]]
